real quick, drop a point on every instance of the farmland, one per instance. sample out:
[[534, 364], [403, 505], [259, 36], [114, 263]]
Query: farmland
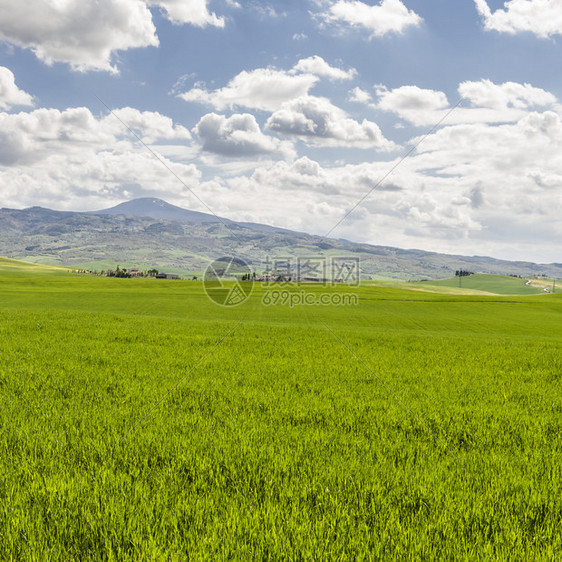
[[139, 420], [498, 284]]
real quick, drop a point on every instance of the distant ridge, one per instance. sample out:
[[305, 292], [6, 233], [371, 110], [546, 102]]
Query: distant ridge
[[150, 232]]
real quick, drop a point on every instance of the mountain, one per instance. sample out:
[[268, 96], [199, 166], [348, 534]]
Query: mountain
[[159, 209], [149, 232]]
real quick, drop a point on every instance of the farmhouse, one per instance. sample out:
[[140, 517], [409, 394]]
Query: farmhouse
[[167, 276]]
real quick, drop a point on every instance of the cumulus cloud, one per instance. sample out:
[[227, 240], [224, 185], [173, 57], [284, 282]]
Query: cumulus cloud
[[267, 89], [482, 102], [33, 136], [474, 187], [541, 17], [319, 67], [195, 12], [317, 121], [411, 98], [151, 126], [357, 95], [325, 194], [485, 93], [238, 136], [10, 94], [533, 141], [470, 188], [83, 33], [389, 16], [412, 103], [516, 168], [264, 88], [72, 156], [87, 33], [91, 180]]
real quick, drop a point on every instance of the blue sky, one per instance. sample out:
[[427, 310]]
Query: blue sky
[[289, 113]]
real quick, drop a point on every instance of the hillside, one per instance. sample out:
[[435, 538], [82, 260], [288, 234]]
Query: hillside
[[149, 233]]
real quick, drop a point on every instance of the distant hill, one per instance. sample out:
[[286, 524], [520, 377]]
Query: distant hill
[[159, 209], [149, 232]]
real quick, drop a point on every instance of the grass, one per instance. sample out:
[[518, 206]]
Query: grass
[[493, 284], [140, 421]]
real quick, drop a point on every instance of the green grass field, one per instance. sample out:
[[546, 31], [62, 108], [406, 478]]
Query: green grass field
[[497, 284], [140, 421]]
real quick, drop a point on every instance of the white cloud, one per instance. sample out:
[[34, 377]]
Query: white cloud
[[31, 137], [390, 16], [264, 88], [195, 12], [541, 17], [83, 33], [87, 33], [408, 98], [470, 189], [238, 136], [490, 103], [305, 196], [149, 125], [91, 180], [507, 177], [532, 142], [317, 121], [48, 155], [475, 188], [10, 94], [319, 67], [485, 93], [357, 95], [267, 89], [416, 105]]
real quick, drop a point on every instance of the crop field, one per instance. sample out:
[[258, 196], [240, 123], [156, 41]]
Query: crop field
[[141, 421], [498, 284]]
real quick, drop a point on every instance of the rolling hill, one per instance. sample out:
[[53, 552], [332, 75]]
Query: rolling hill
[[149, 233]]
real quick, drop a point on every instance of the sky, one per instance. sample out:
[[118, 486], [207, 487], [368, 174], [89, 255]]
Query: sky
[[430, 124]]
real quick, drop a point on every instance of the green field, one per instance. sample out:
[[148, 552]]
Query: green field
[[140, 421], [498, 284]]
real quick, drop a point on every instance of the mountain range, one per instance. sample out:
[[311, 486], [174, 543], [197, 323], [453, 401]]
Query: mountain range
[[149, 232]]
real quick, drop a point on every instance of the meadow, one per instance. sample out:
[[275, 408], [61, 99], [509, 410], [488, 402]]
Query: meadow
[[497, 284], [140, 421]]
